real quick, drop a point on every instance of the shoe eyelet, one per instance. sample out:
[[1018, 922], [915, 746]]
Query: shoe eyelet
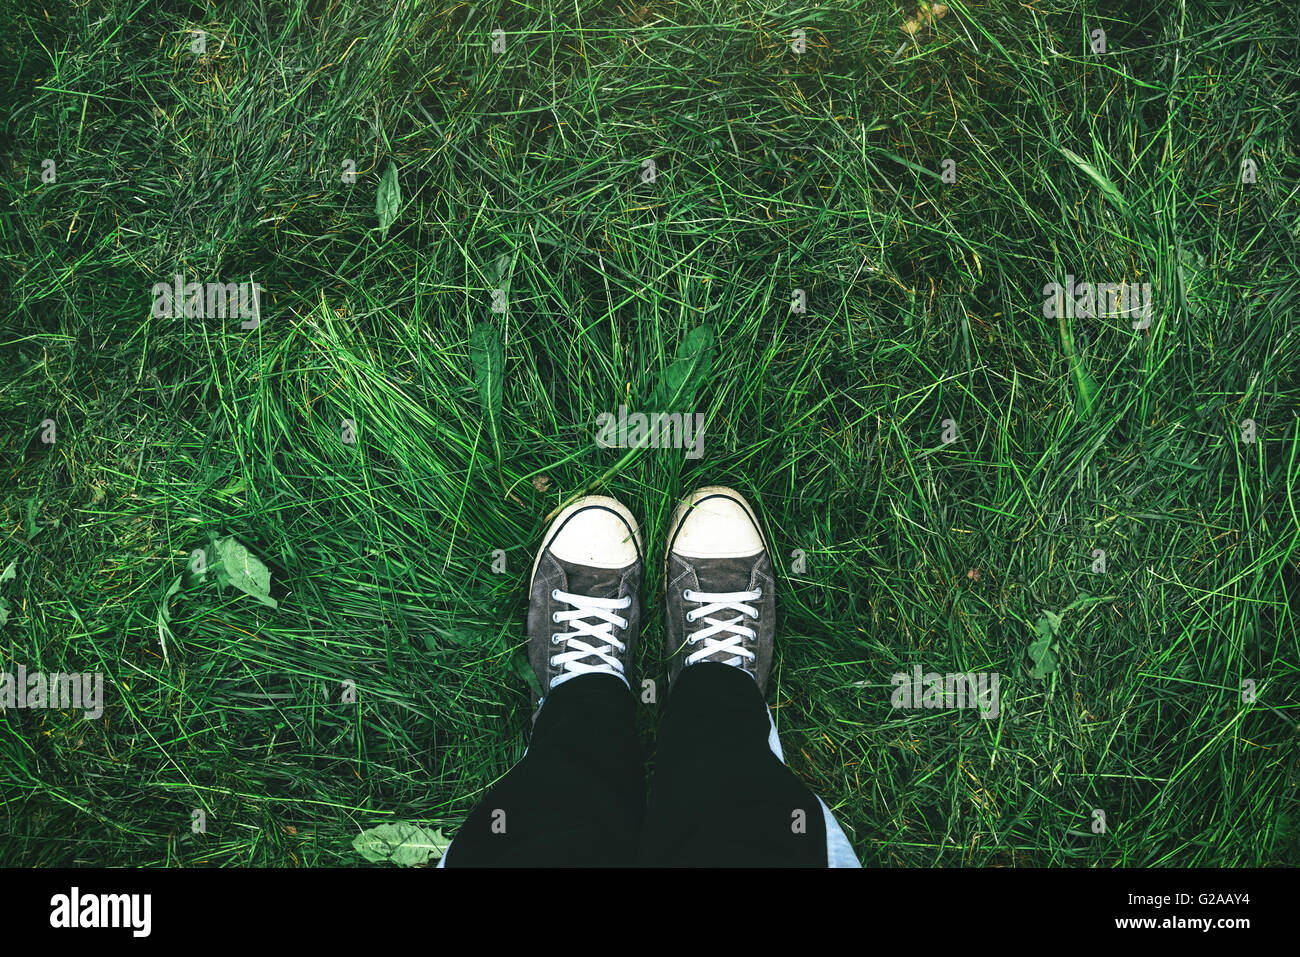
[[690, 616], [555, 639], [555, 617], [760, 591], [552, 662], [555, 593], [686, 594]]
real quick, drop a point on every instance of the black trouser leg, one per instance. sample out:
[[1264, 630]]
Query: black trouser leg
[[720, 797], [578, 796]]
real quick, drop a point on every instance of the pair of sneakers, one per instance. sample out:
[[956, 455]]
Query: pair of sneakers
[[584, 612]]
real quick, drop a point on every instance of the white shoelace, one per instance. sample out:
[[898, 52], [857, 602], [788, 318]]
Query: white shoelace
[[584, 606], [735, 632]]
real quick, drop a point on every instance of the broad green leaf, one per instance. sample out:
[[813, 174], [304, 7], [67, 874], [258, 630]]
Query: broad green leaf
[[389, 199], [525, 670], [236, 485], [677, 387], [165, 614], [500, 269], [1044, 658], [488, 358], [1042, 651], [1086, 389], [400, 842], [1049, 623], [33, 505], [8, 573], [4, 612], [1110, 190], [239, 567]]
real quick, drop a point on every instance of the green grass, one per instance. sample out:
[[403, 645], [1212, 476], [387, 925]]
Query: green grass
[[775, 171]]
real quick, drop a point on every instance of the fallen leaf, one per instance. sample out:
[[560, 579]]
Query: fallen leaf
[[244, 570], [402, 843], [389, 199]]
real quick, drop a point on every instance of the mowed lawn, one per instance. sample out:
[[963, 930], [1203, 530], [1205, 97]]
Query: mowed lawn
[[829, 230]]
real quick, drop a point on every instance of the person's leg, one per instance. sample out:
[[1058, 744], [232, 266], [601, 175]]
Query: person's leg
[[720, 797], [722, 794], [578, 795]]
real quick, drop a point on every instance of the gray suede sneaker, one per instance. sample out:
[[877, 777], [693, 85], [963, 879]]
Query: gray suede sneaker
[[584, 607], [719, 586]]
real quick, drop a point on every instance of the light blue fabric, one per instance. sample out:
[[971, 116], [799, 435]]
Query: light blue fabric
[[839, 852]]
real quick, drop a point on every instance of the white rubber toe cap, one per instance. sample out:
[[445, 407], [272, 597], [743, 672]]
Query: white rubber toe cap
[[718, 524], [594, 532]]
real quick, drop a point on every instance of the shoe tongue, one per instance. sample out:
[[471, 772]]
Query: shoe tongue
[[589, 581], [722, 575]]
